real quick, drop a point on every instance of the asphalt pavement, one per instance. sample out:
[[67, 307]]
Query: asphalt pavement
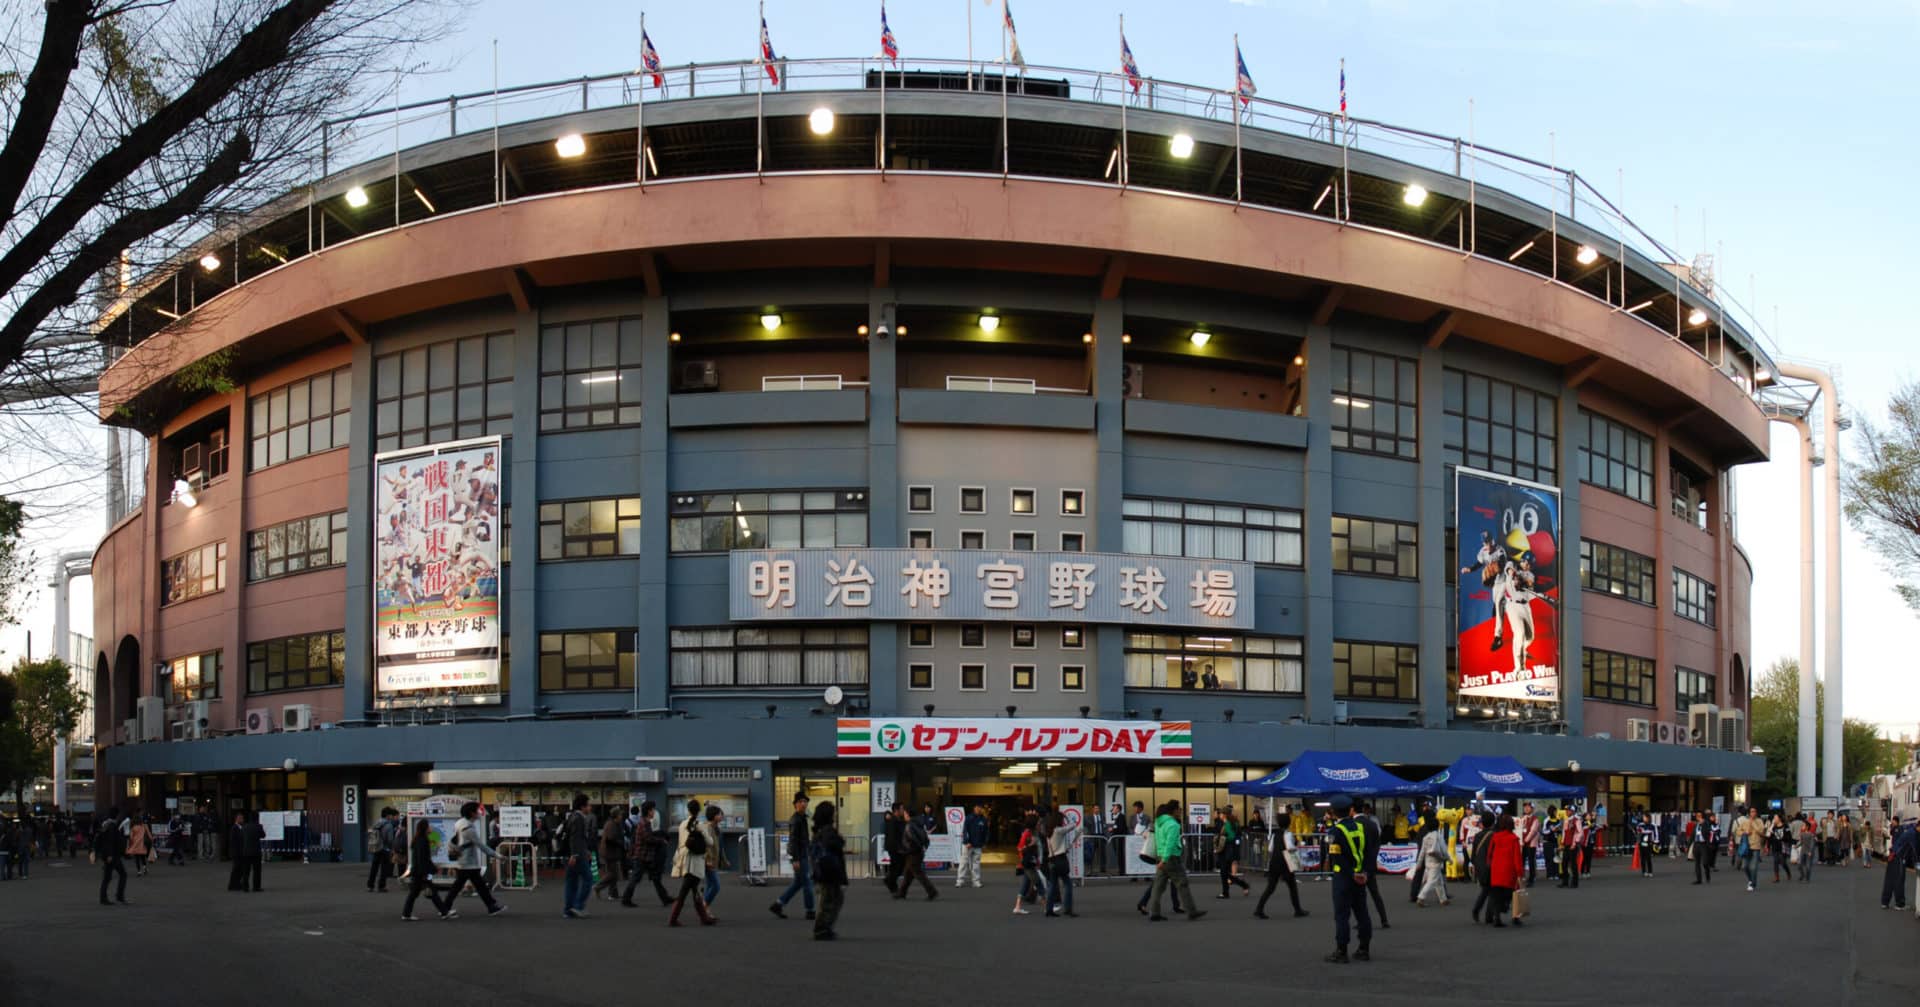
[[315, 936]]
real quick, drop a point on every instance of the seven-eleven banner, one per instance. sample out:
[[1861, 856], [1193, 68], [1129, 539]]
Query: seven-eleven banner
[[1009, 737]]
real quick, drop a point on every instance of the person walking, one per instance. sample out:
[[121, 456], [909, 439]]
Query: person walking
[[1433, 858], [799, 839], [1032, 864], [973, 841], [1371, 823], [1480, 859], [1807, 842], [383, 840], [177, 841], [613, 855], [139, 847], [827, 854], [914, 841], [1749, 838], [1778, 839], [468, 850], [109, 847], [1706, 844], [1503, 869], [419, 874], [1902, 853], [690, 866], [1351, 862], [579, 832], [1226, 852], [1280, 862], [1171, 872], [646, 846], [1529, 840], [1060, 865], [716, 854], [1646, 836], [1573, 843], [893, 827]]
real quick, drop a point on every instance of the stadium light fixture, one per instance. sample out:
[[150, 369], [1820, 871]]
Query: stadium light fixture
[[1642, 306], [1415, 194], [1299, 360], [1586, 255], [1086, 337], [1697, 316], [209, 262], [989, 323], [1762, 375], [1126, 339], [571, 145], [1342, 400], [770, 321], [1522, 250], [821, 121], [357, 197], [1200, 337], [183, 493], [1181, 146]]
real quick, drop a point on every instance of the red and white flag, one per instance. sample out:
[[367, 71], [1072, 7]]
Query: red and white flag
[[767, 58]]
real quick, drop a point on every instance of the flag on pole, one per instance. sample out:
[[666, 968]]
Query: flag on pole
[[650, 60], [1013, 37], [767, 58], [1127, 65], [1343, 88], [889, 47], [1242, 80]]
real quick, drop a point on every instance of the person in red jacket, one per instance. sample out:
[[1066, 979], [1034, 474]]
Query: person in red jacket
[[1504, 869]]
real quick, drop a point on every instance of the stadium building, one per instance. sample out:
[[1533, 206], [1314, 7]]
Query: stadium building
[[888, 433]]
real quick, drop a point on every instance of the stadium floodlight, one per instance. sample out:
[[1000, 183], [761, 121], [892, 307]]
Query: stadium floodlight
[[1416, 194], [571, 145], [1181, 146], [821, 121]]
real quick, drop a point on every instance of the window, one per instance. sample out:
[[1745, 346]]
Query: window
[[588, 529], [1073, 503], [590, 374], [1022, 678], [1622, 573], [1159, 527], [973, 634], [782, 519], [919, 538], [752, 657], [1617, 678], [1376, 671], [185, 679], [448, 390], [1249, 663], [1073, 678], [1616, 458], [197, 453], [1380, 548], [1499, 427], [1691, 688], [1023, 635], [1375, 399], [973, 499], [297, 546], [312, 661], [586, 660], [1688, 500], [1073, 637], [920, 634], [919, 499], [1693, 598], [1020, 541], [1020, 502], [194, 573], [1073, 541], [304, 418], [973, 678], [973, 538], [919, 677]]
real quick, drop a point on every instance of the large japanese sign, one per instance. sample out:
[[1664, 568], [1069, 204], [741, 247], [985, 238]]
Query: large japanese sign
[[437, 567], [1013, 737], [977, 586], [1509, 587]]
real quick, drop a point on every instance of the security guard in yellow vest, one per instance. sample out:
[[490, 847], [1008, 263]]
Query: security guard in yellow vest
[[1350, 857]]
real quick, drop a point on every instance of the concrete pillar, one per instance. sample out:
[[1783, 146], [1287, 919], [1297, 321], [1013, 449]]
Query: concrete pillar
[[651, 669], [358, 677], [1572, 681], [523, 489], [883, 488], [1109, 487], [1436, 595], [1317, 528]]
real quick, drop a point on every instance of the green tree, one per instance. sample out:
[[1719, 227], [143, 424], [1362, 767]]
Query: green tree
[[46, 707], [1774, 725], [1883, 489], [16, 564]]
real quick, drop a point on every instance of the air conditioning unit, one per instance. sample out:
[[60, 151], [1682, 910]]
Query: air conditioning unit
[[1637, 729], [193, 464], [129, 731], [1733, 730], [296, 717], [196, 718], [176, 730], [699, 376], [1663, 732], [259, 720], [1702, 725], [151, 712], [1339, 711], [1133, 384]]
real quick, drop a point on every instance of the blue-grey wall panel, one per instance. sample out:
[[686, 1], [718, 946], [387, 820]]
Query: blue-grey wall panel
[[1211, 423], [1207, 470], [759, 409], [996, 409], [777, 458]]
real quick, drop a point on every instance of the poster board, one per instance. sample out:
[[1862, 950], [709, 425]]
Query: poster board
[[437, 570], [1507, 536]]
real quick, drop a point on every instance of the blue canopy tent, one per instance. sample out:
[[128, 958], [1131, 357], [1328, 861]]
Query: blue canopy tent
[[1495, 776], [1316, 773]]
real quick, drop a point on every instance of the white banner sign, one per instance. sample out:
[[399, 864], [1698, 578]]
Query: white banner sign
[[1199, 815], [756, 851], [1137, 844], [515, 822], [350, 805], [273, 823], [1075, 817], [882, 796], [437, 567], [1011, 737]]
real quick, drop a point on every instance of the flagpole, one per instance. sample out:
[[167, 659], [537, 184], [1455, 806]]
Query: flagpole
[[640, 113], [1125, 83], [759, 99], [1345, 203], [1233, 104], [884, 28], [1006, 162], [496, 120], [969, 4]]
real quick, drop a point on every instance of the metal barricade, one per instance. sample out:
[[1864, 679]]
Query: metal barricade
[[311, 836], [519, 866]]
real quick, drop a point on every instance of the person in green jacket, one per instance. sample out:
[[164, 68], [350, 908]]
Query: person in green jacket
[[1172, 869]]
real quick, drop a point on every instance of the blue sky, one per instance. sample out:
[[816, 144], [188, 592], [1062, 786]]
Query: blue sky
[[1784, 124]]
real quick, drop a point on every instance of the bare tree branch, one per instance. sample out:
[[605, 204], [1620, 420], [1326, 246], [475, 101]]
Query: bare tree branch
[[67, 22]]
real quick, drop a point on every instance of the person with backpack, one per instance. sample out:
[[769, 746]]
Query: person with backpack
[[108, 848], [383, 842], [798, 840], [827, 855], [579, 832], [645, 845], [689, 866], [468, 850], [613, 855], [1226, 848], [914, 841]]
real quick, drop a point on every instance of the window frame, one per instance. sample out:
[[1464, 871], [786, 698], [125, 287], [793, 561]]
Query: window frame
[[911, 532], [1131, 508], [333, 643], [1601, 584], [1076, 494], [168, 686], [338, 417], [979, 538], [1013, 541], [1013, 502], [1335, 535], [457, 426], [1401, 664], [1343, 386], [1013, 678], [1079, 541], [179, 561], [1081, 669], [1486, 459], [912, 627], [590, 537], [628, 637], [859, 669], [914, 668], [1287, 653], [260, 543], [1077, 628], [696, 510], [1630, 438], [1681, 696], [980, 628], [1013, 636], [623, 410], [962, 499], [1703, 610], [911, 490], [1630, 663], [980, 669]]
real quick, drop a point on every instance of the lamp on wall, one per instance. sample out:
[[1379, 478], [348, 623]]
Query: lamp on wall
[[1012, 709], [1084, 710], [929, 709], [183, 493]]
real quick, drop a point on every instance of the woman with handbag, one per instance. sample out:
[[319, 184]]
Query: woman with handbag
[[1433, 853], [1280, 867], [1032, 880]]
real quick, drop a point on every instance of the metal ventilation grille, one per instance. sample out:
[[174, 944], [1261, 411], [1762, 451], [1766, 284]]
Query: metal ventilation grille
[[711, 774]]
